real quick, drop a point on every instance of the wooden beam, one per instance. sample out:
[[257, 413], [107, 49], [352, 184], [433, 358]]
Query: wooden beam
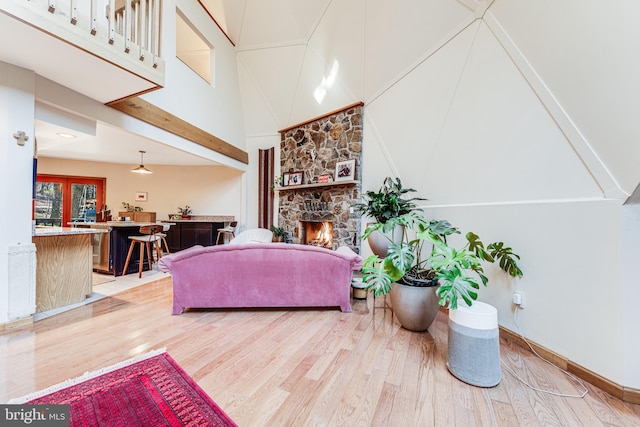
[[149, 113]]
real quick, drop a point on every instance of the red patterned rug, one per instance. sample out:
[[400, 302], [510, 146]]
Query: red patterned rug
[[154, 391]]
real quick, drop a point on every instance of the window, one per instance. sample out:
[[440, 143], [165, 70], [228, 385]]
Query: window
[[64, 199], [192, 48]]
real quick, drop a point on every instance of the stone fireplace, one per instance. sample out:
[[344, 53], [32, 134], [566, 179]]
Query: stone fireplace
[[312, 207]]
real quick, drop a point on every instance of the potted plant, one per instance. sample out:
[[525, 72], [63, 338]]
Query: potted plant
[[420, 282], [278, 233], [386, 206], [184, 212], [277, 182]]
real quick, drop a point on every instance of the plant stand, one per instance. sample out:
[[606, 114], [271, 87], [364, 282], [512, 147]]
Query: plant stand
[[474, 346]]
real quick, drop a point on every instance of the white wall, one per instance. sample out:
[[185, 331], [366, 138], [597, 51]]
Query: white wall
[[573, 297], [630, 293], [209, 190], [584, 53], [17, 283]]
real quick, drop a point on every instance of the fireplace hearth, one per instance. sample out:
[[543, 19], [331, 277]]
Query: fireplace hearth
[[316, 233]]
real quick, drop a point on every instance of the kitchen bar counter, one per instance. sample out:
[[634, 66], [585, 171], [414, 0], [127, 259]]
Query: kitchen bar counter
[[63, 265], [65, 231], [206, 218]]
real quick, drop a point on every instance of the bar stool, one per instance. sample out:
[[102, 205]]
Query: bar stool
[[148, 235], [163, 241], [227, 231]]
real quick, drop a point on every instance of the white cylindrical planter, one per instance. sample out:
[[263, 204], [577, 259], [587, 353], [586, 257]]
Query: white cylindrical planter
[[474, 346], [359, 287]]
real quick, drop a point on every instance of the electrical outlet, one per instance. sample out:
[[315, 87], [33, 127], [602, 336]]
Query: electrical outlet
[[518, 299]]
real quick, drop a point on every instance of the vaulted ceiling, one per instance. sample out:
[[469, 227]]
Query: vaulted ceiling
[[461, 69]]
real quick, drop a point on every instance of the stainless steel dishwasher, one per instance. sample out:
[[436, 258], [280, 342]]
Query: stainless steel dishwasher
[[101, 251]]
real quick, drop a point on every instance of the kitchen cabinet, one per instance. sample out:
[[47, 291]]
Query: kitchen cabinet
[[185, 234], [139, 216]]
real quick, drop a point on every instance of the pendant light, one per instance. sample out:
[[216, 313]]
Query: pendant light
[[141, 168]]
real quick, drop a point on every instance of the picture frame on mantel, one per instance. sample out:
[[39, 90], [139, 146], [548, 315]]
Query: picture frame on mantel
[[345, 170], [295, 178], [285, 179]]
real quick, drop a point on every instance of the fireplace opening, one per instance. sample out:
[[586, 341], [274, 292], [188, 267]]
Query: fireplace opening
[[317, 233]]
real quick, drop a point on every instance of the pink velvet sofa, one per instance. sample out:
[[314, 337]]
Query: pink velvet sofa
[[261, 275]]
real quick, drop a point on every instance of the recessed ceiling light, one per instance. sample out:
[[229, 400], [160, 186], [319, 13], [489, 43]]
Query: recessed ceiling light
[[65, 135]]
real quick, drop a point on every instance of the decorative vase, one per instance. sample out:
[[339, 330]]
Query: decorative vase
[[416, 307], [379, 243]]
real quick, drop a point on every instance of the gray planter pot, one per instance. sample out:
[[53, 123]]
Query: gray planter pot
[[416, 307], [379, 243]]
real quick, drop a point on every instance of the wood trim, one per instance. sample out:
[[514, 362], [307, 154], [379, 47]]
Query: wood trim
[[265, 191], [134, 95], [17, 323], [331, 113], [631, 395], [216, 22], [149, 113], [626, 394]]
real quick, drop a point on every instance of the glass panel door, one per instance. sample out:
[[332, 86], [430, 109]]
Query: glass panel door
[[64, 199], [49, 204], [83, 202]]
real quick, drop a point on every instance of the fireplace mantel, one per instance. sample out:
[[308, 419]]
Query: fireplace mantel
[[315, 185]]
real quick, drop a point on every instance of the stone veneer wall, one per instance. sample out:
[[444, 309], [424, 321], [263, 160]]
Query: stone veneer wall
[[314, 148]]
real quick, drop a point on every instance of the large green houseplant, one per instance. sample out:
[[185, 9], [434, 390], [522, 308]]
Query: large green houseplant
[[387, 206], [457, 271]]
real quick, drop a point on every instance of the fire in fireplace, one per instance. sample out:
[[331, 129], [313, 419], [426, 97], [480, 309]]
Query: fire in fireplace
[[317, 233]]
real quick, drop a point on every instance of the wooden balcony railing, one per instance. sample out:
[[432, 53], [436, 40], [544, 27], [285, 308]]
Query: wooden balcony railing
[[130, 27], [138, 21]]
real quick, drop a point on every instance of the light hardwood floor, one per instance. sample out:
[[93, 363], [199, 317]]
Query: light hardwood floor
[[299, 367]]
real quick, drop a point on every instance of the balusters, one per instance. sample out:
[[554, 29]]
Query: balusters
[[143, 28], [74, 12], [155, 32], [112, 21], [127, 26], [94, 17]]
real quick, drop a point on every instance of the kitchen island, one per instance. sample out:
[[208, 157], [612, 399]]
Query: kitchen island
[[198, 230], [182, 234], [64, 265]]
